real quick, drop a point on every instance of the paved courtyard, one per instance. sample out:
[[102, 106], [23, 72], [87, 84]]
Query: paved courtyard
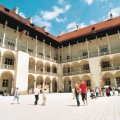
[[60, 106]]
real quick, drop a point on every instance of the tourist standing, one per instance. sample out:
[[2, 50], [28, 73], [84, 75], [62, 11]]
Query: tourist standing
[[16, 95], [36, 93], [77, 91], [83, 89]]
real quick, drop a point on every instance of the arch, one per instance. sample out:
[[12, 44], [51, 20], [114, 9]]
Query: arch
[[31, 80], [7, 81], [75, 67], [116, 61], [106, 63], [39, 66], [87, 80], [48, 84], [67, 84], [8, 59], [117, 78], [39, 83], [66, 68], [47, 67], [107, 78], [54, 85], [54, 68], [75, 80], [32, 64]]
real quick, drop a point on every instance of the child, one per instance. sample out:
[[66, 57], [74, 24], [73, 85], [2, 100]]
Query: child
[[44, 99]]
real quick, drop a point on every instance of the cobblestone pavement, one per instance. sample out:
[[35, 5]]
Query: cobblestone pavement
[[60, 106]]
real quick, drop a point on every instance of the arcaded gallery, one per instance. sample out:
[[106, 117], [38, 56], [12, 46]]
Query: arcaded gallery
[[31, 56]]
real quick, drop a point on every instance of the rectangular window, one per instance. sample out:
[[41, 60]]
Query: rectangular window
[[88, 83], [104, 49], [107, 81], [86, 67], [85, 53], [105, 64], [11, 44], [5, 83], [8, 61]]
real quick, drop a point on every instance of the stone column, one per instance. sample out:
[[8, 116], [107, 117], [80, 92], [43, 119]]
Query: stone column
[[4, 35], [44, 49], [50, 52], [108, 42], [118, 34], [36, 47], [69, 51], [16, 40], [87, 47]]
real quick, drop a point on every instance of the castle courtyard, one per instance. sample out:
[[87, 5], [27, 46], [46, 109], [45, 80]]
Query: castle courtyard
[[60, 106]]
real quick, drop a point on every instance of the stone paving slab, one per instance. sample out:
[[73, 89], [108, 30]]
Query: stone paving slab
[[60, 106]]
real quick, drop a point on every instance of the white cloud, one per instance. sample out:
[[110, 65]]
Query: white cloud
[[115, 12], [60, 1], [92, 22], [89, 2], [72, 26], [50, 15], [40, 22], [22, 15], [59, 20]]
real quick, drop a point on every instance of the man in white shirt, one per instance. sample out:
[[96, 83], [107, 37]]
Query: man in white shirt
[[36, 93]]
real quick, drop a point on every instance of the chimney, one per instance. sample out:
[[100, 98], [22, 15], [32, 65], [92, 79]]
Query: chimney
[[60, 33], [30, 19], [16, 10], [77, 27], [111, 16]]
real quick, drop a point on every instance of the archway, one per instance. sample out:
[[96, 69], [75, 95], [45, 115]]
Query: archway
[[67, 85], [7, 82], [54, 85]]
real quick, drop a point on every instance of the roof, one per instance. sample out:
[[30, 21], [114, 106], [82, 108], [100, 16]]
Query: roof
[[12, 14], [90, 29], [67, 36]]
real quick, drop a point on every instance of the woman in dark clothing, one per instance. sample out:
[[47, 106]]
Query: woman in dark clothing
[[77, 91]]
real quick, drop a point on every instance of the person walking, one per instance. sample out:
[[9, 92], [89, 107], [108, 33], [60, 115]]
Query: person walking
[[77, 91], [83, 89], [36, 93], [16, 95]]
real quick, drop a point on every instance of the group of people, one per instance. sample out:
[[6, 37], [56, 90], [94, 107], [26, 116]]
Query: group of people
[[82, 89], [36, 93]]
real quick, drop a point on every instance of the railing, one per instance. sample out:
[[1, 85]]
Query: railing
[[76, 72], [111, 68], [90, 56], [9, 47], [31, 70], [6, 66]]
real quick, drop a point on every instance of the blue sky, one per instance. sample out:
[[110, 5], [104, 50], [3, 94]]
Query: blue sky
[[64, 15]]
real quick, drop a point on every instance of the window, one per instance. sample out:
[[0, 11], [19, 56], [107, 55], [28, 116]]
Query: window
[[48, 69], [68, 58], [105, 64], [8, 61], [54, 70], [48, 56], [30, 50], [118, 81], [86, 67], [105, 49], [41, 54], [88, 83], [107, 81], [85, 53], [11, 44], [5, 83]]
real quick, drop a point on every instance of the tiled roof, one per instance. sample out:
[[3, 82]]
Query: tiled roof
[[12, 14], [90, 29], [67, 36]]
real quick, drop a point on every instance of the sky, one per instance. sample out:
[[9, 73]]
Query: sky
[[63, 15]]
